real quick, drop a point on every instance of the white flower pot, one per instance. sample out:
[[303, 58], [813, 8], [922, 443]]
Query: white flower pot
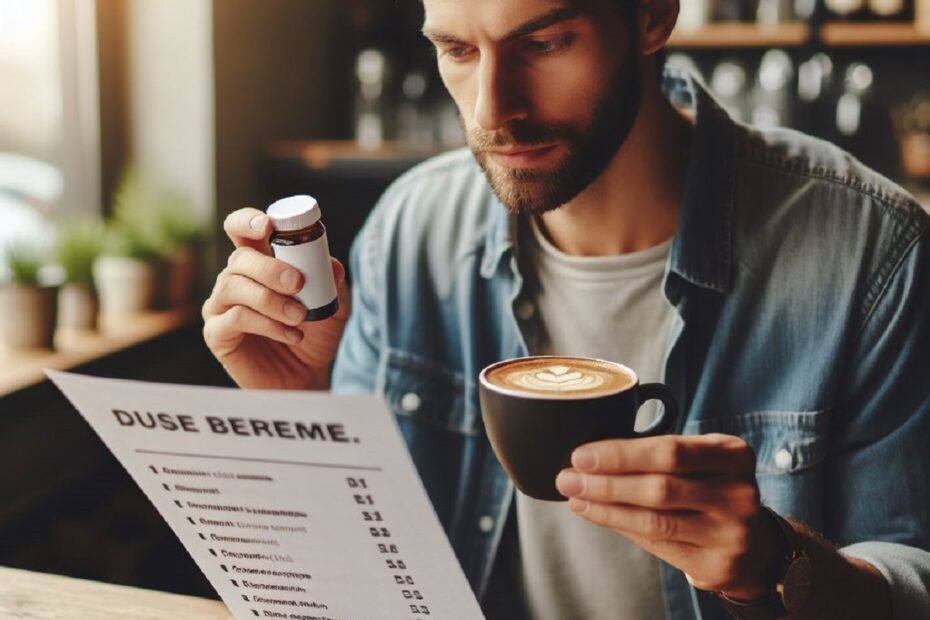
[[27, 316], [77, 307], [125, 285]]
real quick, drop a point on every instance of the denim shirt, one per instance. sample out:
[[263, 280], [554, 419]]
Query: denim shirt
[[801, 281]]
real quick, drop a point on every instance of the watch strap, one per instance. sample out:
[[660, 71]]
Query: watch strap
[[770, 606]]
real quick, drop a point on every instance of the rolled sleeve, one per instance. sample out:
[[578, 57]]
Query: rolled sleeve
[[907, 571]]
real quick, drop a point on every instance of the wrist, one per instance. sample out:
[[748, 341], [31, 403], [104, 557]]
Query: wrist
[[787, 584], [818, 582], [767, 564]]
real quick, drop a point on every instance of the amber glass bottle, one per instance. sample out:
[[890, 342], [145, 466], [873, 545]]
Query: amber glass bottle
[[300, 240]]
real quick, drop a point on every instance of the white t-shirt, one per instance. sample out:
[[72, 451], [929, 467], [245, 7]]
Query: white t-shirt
[[611, 308]]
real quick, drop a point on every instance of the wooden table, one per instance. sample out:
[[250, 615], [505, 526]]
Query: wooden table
[[35, 596]]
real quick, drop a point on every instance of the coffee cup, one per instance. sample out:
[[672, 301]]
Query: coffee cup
[[537, 410]]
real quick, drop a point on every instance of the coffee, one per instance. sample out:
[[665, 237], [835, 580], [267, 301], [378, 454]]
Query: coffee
[[537, 410], [561, 377]]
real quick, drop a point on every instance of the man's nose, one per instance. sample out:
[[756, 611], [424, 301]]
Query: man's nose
[[500, 97]]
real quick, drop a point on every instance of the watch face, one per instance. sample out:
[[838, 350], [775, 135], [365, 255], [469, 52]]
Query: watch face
[[796, 586]]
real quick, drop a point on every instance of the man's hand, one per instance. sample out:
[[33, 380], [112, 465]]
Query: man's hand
[[255, 327], [691, 501]]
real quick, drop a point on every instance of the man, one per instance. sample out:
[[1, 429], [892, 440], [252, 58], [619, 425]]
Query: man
[[778, 286]]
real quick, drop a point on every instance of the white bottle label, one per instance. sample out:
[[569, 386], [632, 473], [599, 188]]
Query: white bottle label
[[312, 260]]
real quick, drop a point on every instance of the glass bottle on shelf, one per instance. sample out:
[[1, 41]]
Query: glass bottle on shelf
[[814, 106], [804, 9], [372, 71], [771, 97], [414, 119], [694, 15], [863, 121], [814, 78], [891, 10], [774, 12], [728, 82], [858, 86], [734, 10], [848, 9], [922, 15]]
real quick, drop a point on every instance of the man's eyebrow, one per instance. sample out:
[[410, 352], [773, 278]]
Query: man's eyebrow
[[537, 23], [440, 37], [545, 20]]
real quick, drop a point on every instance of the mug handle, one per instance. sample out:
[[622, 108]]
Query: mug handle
[[665, 424]]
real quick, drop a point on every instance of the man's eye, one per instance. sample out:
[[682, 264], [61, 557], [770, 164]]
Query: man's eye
[[545, 47], [458, 52]]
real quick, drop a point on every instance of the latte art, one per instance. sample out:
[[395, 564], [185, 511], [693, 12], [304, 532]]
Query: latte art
[[561, 377], [558, 378]]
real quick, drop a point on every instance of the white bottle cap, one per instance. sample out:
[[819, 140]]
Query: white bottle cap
[[294, 213]]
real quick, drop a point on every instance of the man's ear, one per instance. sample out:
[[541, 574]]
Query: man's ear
[[657, 19]]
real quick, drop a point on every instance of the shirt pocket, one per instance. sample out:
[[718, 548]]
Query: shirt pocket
[[790, 449], [421, 392]]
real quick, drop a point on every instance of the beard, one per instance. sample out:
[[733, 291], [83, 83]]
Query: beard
[[589, 151]]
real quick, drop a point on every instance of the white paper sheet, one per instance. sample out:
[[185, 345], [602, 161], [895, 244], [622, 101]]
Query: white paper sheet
[[295, 505]]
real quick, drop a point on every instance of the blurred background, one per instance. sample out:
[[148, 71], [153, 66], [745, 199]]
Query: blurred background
[[130, 128]]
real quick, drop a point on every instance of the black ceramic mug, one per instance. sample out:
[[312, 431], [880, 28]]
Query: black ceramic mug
[[537, 410]]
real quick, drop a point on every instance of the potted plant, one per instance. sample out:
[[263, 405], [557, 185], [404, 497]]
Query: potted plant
[[127, 271], [183, 236], [76, 248], [27, 308]]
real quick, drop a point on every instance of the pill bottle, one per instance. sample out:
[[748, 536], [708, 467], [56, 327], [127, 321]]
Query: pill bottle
[[299, 239]]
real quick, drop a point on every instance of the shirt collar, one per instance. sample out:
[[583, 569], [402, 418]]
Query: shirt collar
[[702, 252]]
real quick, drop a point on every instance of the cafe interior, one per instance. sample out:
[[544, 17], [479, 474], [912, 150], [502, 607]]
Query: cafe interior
[[129, 129]]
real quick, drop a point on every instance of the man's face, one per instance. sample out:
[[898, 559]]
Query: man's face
[[547, 90]]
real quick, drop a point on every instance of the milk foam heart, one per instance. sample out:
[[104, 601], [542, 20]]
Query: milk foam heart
[[562, 376]]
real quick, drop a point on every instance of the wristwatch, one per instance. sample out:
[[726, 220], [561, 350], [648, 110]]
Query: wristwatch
[[792, 581]]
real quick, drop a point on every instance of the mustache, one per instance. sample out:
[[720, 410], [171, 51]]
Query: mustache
[[515, 135]]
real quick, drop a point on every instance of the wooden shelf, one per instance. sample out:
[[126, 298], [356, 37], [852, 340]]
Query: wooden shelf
[[730, 35], [741, 35], [321, 154], [841, 34], [22, 369]]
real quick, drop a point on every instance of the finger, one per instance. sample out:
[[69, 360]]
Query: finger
[[237, 290], [267, 271], [342, 291], [249, 228], [662, 491], [223, 333], [669, 454], [653, 525]]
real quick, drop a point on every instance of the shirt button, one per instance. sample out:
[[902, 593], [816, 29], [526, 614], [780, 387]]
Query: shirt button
[[486, 524], [783, 459], [410, 402], [526, 310]]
